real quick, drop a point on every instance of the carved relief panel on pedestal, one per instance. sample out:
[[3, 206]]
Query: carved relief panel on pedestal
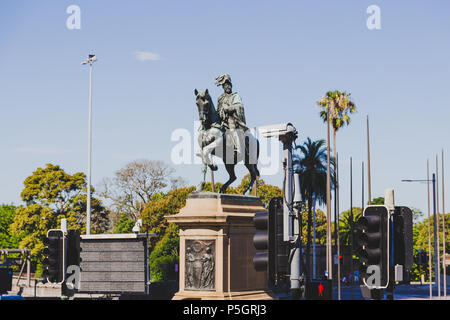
[[200, 265]]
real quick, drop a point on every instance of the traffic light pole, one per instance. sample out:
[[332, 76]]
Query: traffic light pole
[[286, 133], [289, 218], [436, 247], [391, 285]]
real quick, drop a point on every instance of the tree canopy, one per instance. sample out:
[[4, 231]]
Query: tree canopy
[[51, 194], [339, 105], [133, 186], [8, 240]]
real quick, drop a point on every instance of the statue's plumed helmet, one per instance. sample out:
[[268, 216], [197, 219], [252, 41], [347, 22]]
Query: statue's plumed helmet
[[220, 80]]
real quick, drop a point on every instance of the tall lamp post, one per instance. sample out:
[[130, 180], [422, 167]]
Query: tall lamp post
[[90, 60], [436, 262]]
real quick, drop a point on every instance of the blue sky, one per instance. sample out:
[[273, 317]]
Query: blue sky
[[282, 56]]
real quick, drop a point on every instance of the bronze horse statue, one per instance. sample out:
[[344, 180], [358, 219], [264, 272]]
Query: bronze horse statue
[[214, 140]]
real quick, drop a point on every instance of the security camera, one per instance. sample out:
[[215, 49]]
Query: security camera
[[137, 226], [284, 131]]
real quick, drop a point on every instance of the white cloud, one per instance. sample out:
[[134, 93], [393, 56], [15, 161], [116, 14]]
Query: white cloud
[[147, 56]]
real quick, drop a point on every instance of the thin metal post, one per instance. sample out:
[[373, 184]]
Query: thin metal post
[[328, 254], [351, 223], [147, 285], [437, 230], [429, 232], [368, 163], [288, 216], [436, 263], [88, 210], [362, 185], [27, 255], [444, 267], [314, 237], [338, 242], [255, 186]]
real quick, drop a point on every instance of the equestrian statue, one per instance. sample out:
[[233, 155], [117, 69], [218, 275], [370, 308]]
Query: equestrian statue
[[224, 133]]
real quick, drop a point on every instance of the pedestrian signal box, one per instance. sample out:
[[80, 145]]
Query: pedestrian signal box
[[319, 290]]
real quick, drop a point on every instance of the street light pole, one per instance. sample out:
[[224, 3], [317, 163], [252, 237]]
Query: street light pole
[[436, 248], [90, 60]]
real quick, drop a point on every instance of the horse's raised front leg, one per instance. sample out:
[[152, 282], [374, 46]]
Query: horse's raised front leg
[[208, 151], [202, 182]]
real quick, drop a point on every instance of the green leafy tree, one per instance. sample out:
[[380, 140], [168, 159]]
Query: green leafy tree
[[153, 214], [165, 256], [51, 194], [420, 236], [321, 227], [417, 214], [377, 201], [124, 225], [336, 107], [7, 239], [347, 223], [265, 191]]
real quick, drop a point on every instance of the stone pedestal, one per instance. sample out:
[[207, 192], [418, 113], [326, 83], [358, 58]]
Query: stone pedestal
[[216, 248]]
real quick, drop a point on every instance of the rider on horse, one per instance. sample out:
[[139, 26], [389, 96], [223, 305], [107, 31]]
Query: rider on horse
[[231, 111]]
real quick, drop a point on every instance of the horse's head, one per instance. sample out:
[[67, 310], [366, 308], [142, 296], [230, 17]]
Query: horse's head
[[204, 103]]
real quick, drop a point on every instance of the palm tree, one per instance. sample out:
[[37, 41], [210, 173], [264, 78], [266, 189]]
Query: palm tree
[[335, 109], [311, 165]]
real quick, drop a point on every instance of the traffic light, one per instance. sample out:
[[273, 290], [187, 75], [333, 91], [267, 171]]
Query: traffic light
[[54, 261], [73, 248], [274, 251], [424, 258], [263, 240], [403, 241], [281, 248], [373, 246]]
